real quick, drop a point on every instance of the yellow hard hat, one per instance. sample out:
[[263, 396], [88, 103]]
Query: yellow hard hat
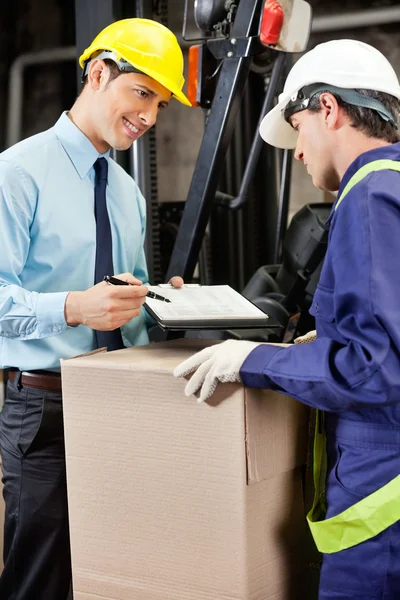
[[148, 46]]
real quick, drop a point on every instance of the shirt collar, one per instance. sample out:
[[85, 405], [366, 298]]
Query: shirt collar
[[79, 148], [392, 151]]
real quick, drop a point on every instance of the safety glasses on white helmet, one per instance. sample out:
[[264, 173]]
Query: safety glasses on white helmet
[[301, 101]]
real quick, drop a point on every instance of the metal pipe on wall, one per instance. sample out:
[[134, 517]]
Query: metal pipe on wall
[[351, 20], [16, 84]]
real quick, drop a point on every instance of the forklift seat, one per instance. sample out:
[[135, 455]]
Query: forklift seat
[[285, 288]]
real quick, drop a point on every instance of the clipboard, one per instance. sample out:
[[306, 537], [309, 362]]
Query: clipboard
[[205, 307]]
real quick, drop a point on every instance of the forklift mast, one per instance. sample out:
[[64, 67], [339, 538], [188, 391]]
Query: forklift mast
[[236, 33]]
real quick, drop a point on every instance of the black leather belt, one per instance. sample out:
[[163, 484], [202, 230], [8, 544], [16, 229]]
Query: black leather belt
[[50, 382]]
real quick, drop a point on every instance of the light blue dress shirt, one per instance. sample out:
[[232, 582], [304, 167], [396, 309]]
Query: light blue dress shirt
[[48, 244]]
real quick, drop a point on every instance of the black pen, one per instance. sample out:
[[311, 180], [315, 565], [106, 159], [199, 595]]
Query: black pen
[[150, 294]]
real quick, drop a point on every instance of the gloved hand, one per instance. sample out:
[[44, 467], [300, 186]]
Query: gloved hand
[[310, 336], [219, 363]]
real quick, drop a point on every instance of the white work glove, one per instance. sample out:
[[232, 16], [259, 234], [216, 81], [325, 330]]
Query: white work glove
[[307, 338], [219, 363]]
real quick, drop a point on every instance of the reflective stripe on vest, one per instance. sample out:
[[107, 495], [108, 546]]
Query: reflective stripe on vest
[[375, 165], [381, 509]]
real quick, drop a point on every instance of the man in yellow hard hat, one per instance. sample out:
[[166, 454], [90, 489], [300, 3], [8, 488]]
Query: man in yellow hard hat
[[71, 215]]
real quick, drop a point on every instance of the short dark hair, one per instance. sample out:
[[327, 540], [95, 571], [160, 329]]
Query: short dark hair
[[367, 120], [114, 72]]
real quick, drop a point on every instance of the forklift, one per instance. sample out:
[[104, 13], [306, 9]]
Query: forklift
[[242, 45]]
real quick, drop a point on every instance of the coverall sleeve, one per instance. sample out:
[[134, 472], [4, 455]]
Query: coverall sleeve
[[358, 300], [23, 314]]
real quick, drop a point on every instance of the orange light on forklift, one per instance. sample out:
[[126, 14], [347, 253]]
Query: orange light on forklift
[[193, 74], [271, 23]]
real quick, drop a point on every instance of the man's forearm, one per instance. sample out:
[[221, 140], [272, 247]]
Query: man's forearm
[[30, 315]]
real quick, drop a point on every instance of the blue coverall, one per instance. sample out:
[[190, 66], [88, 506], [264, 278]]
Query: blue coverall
[[352, 371]]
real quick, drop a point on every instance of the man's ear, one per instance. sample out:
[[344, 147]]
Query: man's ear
[[97, 74], [330, 110]]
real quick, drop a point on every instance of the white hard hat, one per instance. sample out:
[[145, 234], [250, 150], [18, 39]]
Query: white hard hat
[[342, 63]]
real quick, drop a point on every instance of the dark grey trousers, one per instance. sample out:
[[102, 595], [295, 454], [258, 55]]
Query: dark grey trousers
[[37, 562]]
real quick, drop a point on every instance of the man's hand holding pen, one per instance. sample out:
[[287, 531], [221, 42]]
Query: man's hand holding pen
[[105, 307], [115, 281]]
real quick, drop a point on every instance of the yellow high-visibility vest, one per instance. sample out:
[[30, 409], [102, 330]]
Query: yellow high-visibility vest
[[381, 509]]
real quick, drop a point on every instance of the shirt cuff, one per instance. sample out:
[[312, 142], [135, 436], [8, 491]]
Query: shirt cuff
[[50, 314], [252, 370]]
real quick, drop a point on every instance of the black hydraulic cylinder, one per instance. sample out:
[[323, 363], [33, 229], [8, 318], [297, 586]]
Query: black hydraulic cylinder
[[258, 142], [218, 131], [283, 203]]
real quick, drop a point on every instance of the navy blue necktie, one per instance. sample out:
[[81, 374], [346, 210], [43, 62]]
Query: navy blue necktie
[[104, 262]]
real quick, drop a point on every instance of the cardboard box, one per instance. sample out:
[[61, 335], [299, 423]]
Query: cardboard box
[[174, 500]]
